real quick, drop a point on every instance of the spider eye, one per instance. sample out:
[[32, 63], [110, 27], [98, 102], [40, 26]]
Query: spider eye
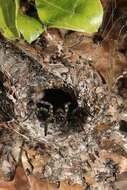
[[60, 119]]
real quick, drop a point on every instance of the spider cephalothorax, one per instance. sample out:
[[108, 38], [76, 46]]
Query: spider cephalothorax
[[47, 113]]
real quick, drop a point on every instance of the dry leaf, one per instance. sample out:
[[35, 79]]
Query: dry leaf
[[39, 162], [121, 160], [65, 186], [106, 58], [36, 184], [120, 185], [31, 153], [20, 182], [114, 18], [25, 162], [89, 177], [121, 182], [103, 127], [31, 182]]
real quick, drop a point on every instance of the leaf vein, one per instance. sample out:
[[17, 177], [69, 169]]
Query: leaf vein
[[56, 6]]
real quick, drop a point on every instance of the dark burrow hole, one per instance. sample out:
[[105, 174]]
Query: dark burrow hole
[[58, 98], [123, 126], [55, 99], [60, 106]]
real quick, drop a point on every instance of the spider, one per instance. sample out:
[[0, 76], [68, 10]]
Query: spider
[[59, 108], [47, 113]]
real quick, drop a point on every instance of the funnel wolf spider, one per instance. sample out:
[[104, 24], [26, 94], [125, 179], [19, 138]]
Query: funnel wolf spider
[[46, 113], [59, 108]]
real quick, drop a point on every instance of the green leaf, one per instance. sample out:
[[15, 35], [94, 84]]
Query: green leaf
[[7, 19], [29, 27], [78, 15]]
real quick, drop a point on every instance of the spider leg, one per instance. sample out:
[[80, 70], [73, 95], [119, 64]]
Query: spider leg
[[45, 126], [66, 107], [42, 103], [51, 110], [45, 129], [45, 107]]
